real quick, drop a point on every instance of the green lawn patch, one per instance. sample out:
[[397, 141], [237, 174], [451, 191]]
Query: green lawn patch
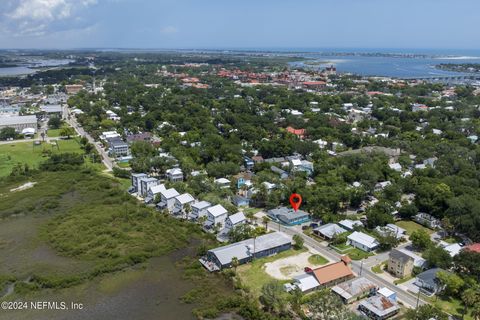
[[357, 254], [403, 280], [123, 164], [379, 268], [32, 155], [452, 306], [53, 133], [342, 247], [253, 276], [317, 259], [411, 226]]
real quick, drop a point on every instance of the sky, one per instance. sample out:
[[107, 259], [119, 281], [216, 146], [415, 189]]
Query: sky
[[204, 24]]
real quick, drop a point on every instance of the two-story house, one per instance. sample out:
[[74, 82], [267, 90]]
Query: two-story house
[[136, 177], [174, 174], [199, 209], [167, 199], [147, 183], [153, 191], [181, 202], [216, 216]]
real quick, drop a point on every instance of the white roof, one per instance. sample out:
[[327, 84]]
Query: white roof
[[170, 193], [174, 171], [296, 162], [157, 189], [453, 249], [201, 205], [217, 210], [28, 131], [222, 181], [237, 218], [395, 166], [350, 224], [185, 198], [387, 293], [417, 260], [330, 229], [5, 121], [363, 239], [306, 282]]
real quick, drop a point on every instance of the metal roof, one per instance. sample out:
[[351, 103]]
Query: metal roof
[[6, 121], [246, 248]]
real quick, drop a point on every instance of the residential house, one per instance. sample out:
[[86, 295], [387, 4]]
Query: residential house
[[334, 273], [355, 289], [400, 264], [288, 216], [418, 261], [362, 241], [391, 230], [379, 307], [240, 201], [427, 220], [427, 281], [216, 216], [117, 147], [382, 185], [244, 251], [167, 199], [350, 225], [153, 191], [146, 183], [235, 220], [302, 165], [249, 163], [199, 209], [283, 174], [222, 182], [305, 283], [181, 202], [328, 231], [136, 177], [174, 174], [243, 179]]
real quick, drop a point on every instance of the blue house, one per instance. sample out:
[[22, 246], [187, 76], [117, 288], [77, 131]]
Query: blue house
[[288, 216], [240, 201]]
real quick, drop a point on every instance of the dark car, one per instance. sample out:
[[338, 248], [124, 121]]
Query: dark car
[[313, 225]]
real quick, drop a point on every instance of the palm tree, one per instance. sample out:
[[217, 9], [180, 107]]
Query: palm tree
[[249, 215], [187, 209], [235, 263], [470, 298], [476, 311], [265, 221]]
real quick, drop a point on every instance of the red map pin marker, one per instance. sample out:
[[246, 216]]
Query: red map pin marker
[[295, 201]]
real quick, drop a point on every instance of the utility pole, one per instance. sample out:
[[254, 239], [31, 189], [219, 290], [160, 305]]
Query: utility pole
[[361, 267]]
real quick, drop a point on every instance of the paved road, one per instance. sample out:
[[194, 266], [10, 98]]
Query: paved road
[[71, 120], [359, 267]]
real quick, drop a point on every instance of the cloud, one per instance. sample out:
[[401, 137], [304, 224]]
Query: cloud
[[37, 17], [168, 30]]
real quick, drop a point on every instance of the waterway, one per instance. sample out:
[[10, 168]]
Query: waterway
[[31, 66]]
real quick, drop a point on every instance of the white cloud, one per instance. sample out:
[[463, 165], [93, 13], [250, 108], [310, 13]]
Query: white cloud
[[36, 17], [169, 30]]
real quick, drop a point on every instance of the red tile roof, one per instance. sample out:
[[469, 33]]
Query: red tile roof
[[473, 247], [298, 132]]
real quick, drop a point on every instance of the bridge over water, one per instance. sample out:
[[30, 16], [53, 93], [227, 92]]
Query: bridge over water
[[465, 78]]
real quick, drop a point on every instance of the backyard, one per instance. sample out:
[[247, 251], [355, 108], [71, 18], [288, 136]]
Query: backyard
[[411, 226]]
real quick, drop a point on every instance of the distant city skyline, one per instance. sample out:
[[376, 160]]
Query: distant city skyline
[[246, 24]]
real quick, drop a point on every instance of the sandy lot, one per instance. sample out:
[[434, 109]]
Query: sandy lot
[[287, 268]]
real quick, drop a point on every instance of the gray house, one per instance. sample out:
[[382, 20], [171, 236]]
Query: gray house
[[263, 246]]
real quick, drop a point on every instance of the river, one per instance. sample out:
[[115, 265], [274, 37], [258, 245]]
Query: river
[[29, 67]]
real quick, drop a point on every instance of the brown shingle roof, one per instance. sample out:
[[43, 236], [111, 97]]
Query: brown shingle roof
[[332, 272]]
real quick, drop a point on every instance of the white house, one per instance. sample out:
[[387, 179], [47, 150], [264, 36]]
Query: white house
[[395, 166], [136, 177], [147, 183], [181, 201], [199, 209], [215, 215], [234, 220], [167, 200], [153, 191], [350, 224], [222, 182], [362, 241], [174, 174]]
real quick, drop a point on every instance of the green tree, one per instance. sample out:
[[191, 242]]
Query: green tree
[[424, 312], [54, 123], [235, 263], [437, 257], [7, 133], [67, 132], [298, 239], [273, 297], [420, 239], [450, 282]]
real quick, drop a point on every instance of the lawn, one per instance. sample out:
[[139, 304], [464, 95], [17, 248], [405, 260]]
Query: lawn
[[379, 267], [53, 133], [26, 152], [449, 305], [253, 276], [251, 210], [411, 226], [403, 280], [317, 259], [352, 252]]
